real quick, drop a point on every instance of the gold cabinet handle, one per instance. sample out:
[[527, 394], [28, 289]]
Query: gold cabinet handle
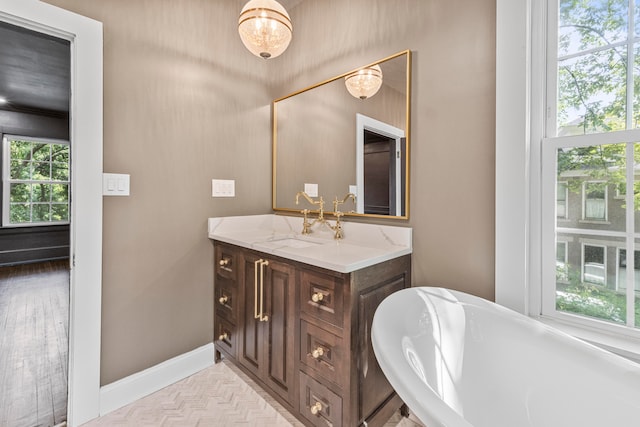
[[224, 262], [223, 337], [317, 353], [223, 299], [317, 297], [316, 408], [258, 313], [263, 317]]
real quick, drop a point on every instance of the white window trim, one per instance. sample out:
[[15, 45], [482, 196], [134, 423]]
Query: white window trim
[[520, 108], [6, 182]]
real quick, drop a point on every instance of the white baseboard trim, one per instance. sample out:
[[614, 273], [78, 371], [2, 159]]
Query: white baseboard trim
[[122, 392]]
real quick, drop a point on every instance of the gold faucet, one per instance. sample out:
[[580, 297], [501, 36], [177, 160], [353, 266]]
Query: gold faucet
[[306, 225], [337, 228]]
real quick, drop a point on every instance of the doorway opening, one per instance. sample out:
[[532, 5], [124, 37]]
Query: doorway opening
[[35, 87]]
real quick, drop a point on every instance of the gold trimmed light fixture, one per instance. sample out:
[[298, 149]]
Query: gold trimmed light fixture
[[265, 28], [365, 82]]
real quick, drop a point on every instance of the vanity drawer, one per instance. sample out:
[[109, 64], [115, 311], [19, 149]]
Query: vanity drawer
[[224, 335], [225, 299], [226, 261], [319, 405], [322, 352], [321, 296]]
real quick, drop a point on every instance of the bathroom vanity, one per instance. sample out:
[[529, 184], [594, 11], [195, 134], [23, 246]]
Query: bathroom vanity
[[294, 312]]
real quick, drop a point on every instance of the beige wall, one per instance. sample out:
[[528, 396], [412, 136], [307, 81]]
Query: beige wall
[[185, 103]]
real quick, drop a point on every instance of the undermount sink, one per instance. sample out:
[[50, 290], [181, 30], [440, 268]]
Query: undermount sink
[[291, 242]]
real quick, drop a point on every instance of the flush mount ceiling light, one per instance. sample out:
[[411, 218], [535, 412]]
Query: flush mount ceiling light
[[265, 28], [3, 100], [364, 83]]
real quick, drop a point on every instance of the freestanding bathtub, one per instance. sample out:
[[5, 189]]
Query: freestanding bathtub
[[459, 361]]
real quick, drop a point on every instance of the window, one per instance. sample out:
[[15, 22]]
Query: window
[[562, 267], [594, 264], [622, 270], [35, 181], [562, 195], [594, 196], [591, 147]]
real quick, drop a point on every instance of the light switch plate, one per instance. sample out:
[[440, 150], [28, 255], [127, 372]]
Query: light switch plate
[[115, 184], [311, 189], [223, 188]]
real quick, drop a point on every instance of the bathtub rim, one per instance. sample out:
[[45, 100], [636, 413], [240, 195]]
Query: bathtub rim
[[447, 416]]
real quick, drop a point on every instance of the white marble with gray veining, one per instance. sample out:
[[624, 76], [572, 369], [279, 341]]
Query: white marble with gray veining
[[363, 245]]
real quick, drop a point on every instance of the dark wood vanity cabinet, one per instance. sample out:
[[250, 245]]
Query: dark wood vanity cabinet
[[303, 333]]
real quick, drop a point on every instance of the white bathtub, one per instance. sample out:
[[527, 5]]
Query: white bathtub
[[459, 361]]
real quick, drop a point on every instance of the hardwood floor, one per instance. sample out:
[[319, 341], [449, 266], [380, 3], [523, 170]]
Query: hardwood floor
[[34, 312]]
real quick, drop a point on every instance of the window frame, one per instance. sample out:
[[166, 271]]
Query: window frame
[[7, 181], [546, 74]]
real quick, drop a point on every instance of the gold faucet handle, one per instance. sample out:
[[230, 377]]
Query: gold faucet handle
[[337, 202]]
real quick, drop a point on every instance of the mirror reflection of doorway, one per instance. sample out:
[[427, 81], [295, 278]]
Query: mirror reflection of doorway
[[35, 228], [382, 175], [381, 153]]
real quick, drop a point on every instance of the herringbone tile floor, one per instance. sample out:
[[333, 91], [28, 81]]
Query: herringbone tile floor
[[218, 396]]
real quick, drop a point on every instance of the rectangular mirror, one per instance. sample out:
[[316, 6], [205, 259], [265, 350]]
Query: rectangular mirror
[[324, 135]]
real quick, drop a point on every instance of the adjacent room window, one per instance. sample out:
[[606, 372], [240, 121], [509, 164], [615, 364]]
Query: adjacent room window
[[592, 148], [35, 181]]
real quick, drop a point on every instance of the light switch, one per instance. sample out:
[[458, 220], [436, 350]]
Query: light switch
[[311, 189], [115, 184], [223, 188]]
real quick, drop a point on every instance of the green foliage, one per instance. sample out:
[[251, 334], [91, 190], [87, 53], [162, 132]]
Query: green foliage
[[592, 300], [593, 83]]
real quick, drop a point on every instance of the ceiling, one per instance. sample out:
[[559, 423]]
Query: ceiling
[[34, 71]]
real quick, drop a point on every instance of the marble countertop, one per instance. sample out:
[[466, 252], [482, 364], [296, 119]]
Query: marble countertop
[[363, 245]]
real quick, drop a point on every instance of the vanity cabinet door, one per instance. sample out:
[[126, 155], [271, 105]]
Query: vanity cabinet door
[[267, 341]]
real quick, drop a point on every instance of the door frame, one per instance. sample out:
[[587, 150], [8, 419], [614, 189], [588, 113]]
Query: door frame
[[367, 123], [85, 135]]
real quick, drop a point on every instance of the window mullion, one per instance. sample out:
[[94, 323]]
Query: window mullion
[[630, 231], [630, 62]]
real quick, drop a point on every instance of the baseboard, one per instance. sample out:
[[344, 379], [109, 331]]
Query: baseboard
[[122, 392]]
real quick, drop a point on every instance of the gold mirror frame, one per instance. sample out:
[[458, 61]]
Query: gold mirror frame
[[313, 109]]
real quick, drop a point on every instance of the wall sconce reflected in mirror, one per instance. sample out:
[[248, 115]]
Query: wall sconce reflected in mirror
[[265, 28], [365, 82]]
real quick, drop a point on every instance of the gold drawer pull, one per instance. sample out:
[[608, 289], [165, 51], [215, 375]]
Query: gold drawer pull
[[317, 353], [258, 311], [224, 262], [317, 297], [223, 337], [316, 408], [223, 299]]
